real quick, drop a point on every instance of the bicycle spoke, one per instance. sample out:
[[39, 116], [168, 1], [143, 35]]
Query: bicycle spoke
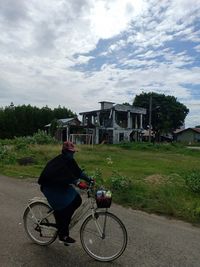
[[94, 232], [111, 244], [39, 223]]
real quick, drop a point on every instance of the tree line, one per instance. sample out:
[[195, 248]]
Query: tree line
[[25, 120], [164, 114]]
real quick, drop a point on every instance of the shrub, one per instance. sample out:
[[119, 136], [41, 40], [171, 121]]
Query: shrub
[[192, 180], [119, 182], [3, 152], [21, 145], [21, 142], [41, 138], [97, 175], [6, 156]]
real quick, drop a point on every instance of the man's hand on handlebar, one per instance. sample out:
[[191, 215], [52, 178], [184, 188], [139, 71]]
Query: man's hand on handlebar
[[82, 185], [85, 185]]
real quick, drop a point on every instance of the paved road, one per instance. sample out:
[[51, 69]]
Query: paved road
[[153, 240]]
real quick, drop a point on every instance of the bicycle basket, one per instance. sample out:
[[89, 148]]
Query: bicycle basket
[[103, 198]]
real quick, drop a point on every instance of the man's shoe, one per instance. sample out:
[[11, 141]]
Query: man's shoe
[[67, 240]]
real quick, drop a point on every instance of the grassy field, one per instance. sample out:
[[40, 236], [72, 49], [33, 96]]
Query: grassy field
[[142, 176]]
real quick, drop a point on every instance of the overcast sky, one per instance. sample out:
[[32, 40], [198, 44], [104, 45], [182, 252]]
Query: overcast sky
[[75, 53]]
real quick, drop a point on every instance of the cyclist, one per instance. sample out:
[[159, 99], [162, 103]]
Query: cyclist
[[56, 181]]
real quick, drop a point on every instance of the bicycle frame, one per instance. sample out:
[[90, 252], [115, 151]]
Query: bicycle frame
[[82, 211], [42, 200], [87, 205]]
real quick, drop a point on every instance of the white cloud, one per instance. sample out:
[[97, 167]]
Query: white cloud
[[197, 48], [41, 43], [109, 18]]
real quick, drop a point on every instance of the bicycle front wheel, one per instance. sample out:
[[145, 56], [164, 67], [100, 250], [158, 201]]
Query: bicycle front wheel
[[39, 223], [104, 237]]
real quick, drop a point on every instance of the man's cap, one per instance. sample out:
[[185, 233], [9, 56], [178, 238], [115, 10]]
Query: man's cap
[[69, 146]]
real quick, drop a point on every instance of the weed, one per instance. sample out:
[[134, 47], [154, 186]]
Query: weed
[[119, 182], [7, 156], [41, 137], [192, 180]]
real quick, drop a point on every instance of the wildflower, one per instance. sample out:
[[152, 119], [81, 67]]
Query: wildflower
[[109, 161]]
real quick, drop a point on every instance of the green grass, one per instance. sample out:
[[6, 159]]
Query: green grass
[[155, 173]]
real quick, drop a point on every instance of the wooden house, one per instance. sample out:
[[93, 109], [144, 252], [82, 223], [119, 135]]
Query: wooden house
[[65, 128], [189, 135]]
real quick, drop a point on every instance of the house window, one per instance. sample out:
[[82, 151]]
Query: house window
[[121, 119]]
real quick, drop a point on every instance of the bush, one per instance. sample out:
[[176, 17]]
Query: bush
[[42, 138], [192, 180], [3, 152], [21, 142], [21, 145], [6, 155], [119, 182], [97, 174]]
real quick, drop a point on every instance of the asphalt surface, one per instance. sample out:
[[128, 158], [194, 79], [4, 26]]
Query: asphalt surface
[[153, 240]]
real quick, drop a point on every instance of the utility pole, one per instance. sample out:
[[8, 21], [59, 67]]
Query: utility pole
[[150, 114]]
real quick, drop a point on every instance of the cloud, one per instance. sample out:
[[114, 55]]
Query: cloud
[[77, 53], [12, 12], [109, 18]]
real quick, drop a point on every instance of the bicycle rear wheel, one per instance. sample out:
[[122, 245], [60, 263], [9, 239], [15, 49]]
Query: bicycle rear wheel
[[39, 223], [103, 238]]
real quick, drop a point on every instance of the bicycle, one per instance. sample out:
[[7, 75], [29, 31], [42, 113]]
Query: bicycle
[[103, 235]]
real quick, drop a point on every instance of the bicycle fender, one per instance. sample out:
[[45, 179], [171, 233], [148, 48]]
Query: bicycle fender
[[38, 199]]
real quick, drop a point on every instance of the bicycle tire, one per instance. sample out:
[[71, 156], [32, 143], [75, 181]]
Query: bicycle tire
[[112, 245], [40, 234]]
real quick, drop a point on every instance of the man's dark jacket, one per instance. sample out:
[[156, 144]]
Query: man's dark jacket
[[60, 171]]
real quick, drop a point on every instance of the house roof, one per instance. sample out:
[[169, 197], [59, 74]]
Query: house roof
[[64, 121], [197, 130], [118, 107], [107, 102]]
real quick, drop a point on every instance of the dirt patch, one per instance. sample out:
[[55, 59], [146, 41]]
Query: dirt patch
[[26, 161], [155, 179]]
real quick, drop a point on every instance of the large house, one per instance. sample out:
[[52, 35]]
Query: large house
[[109, 124], [114, 123]]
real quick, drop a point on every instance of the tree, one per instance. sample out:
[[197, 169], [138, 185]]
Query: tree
[[62, 112], [167, 114], [126, 104], [26, 120]]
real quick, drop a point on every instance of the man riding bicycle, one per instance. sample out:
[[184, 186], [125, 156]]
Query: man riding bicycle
[[56, 181]]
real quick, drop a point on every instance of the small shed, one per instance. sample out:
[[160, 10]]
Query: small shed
[[65, 128], [190, 135]]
